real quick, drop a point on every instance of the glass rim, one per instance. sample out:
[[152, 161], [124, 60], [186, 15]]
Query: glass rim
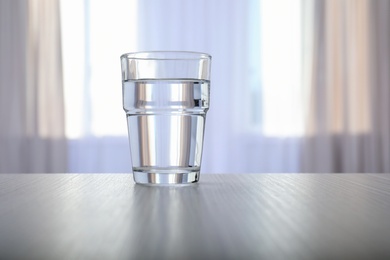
[[166, 55]]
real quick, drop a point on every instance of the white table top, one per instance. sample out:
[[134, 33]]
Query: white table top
[[257, 216]]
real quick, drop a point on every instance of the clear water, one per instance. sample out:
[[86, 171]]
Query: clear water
[[166, 120]]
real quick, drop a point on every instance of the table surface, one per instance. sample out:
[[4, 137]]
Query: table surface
[[246, 216]]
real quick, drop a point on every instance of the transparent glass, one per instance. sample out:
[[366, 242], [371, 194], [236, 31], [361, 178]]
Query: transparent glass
[[166, 97]]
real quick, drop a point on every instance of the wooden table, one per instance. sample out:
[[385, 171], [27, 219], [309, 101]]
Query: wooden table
[[263, 216]]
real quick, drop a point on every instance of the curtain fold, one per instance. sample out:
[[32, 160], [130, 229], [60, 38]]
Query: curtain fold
[[32, 137], [348, 124]]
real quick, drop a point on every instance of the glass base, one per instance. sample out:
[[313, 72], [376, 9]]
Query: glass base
[[156, 177]]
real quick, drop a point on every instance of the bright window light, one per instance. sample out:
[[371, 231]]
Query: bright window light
[[281, 57], [96, 32], [73, 60], [94, 35]]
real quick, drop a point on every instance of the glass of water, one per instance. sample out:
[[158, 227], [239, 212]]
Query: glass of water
[[166, 97]]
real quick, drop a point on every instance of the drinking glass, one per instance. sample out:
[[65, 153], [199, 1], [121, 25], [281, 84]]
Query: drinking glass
[[166, 97]]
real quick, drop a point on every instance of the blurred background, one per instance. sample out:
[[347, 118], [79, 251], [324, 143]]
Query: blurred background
[[297, 86]]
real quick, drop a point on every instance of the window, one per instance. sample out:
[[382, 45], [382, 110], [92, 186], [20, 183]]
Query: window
[[94, 37], [256, 70], [281, 57]]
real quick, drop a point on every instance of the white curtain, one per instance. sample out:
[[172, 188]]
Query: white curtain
[[31, 93], [348, 61], [223, 29]]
